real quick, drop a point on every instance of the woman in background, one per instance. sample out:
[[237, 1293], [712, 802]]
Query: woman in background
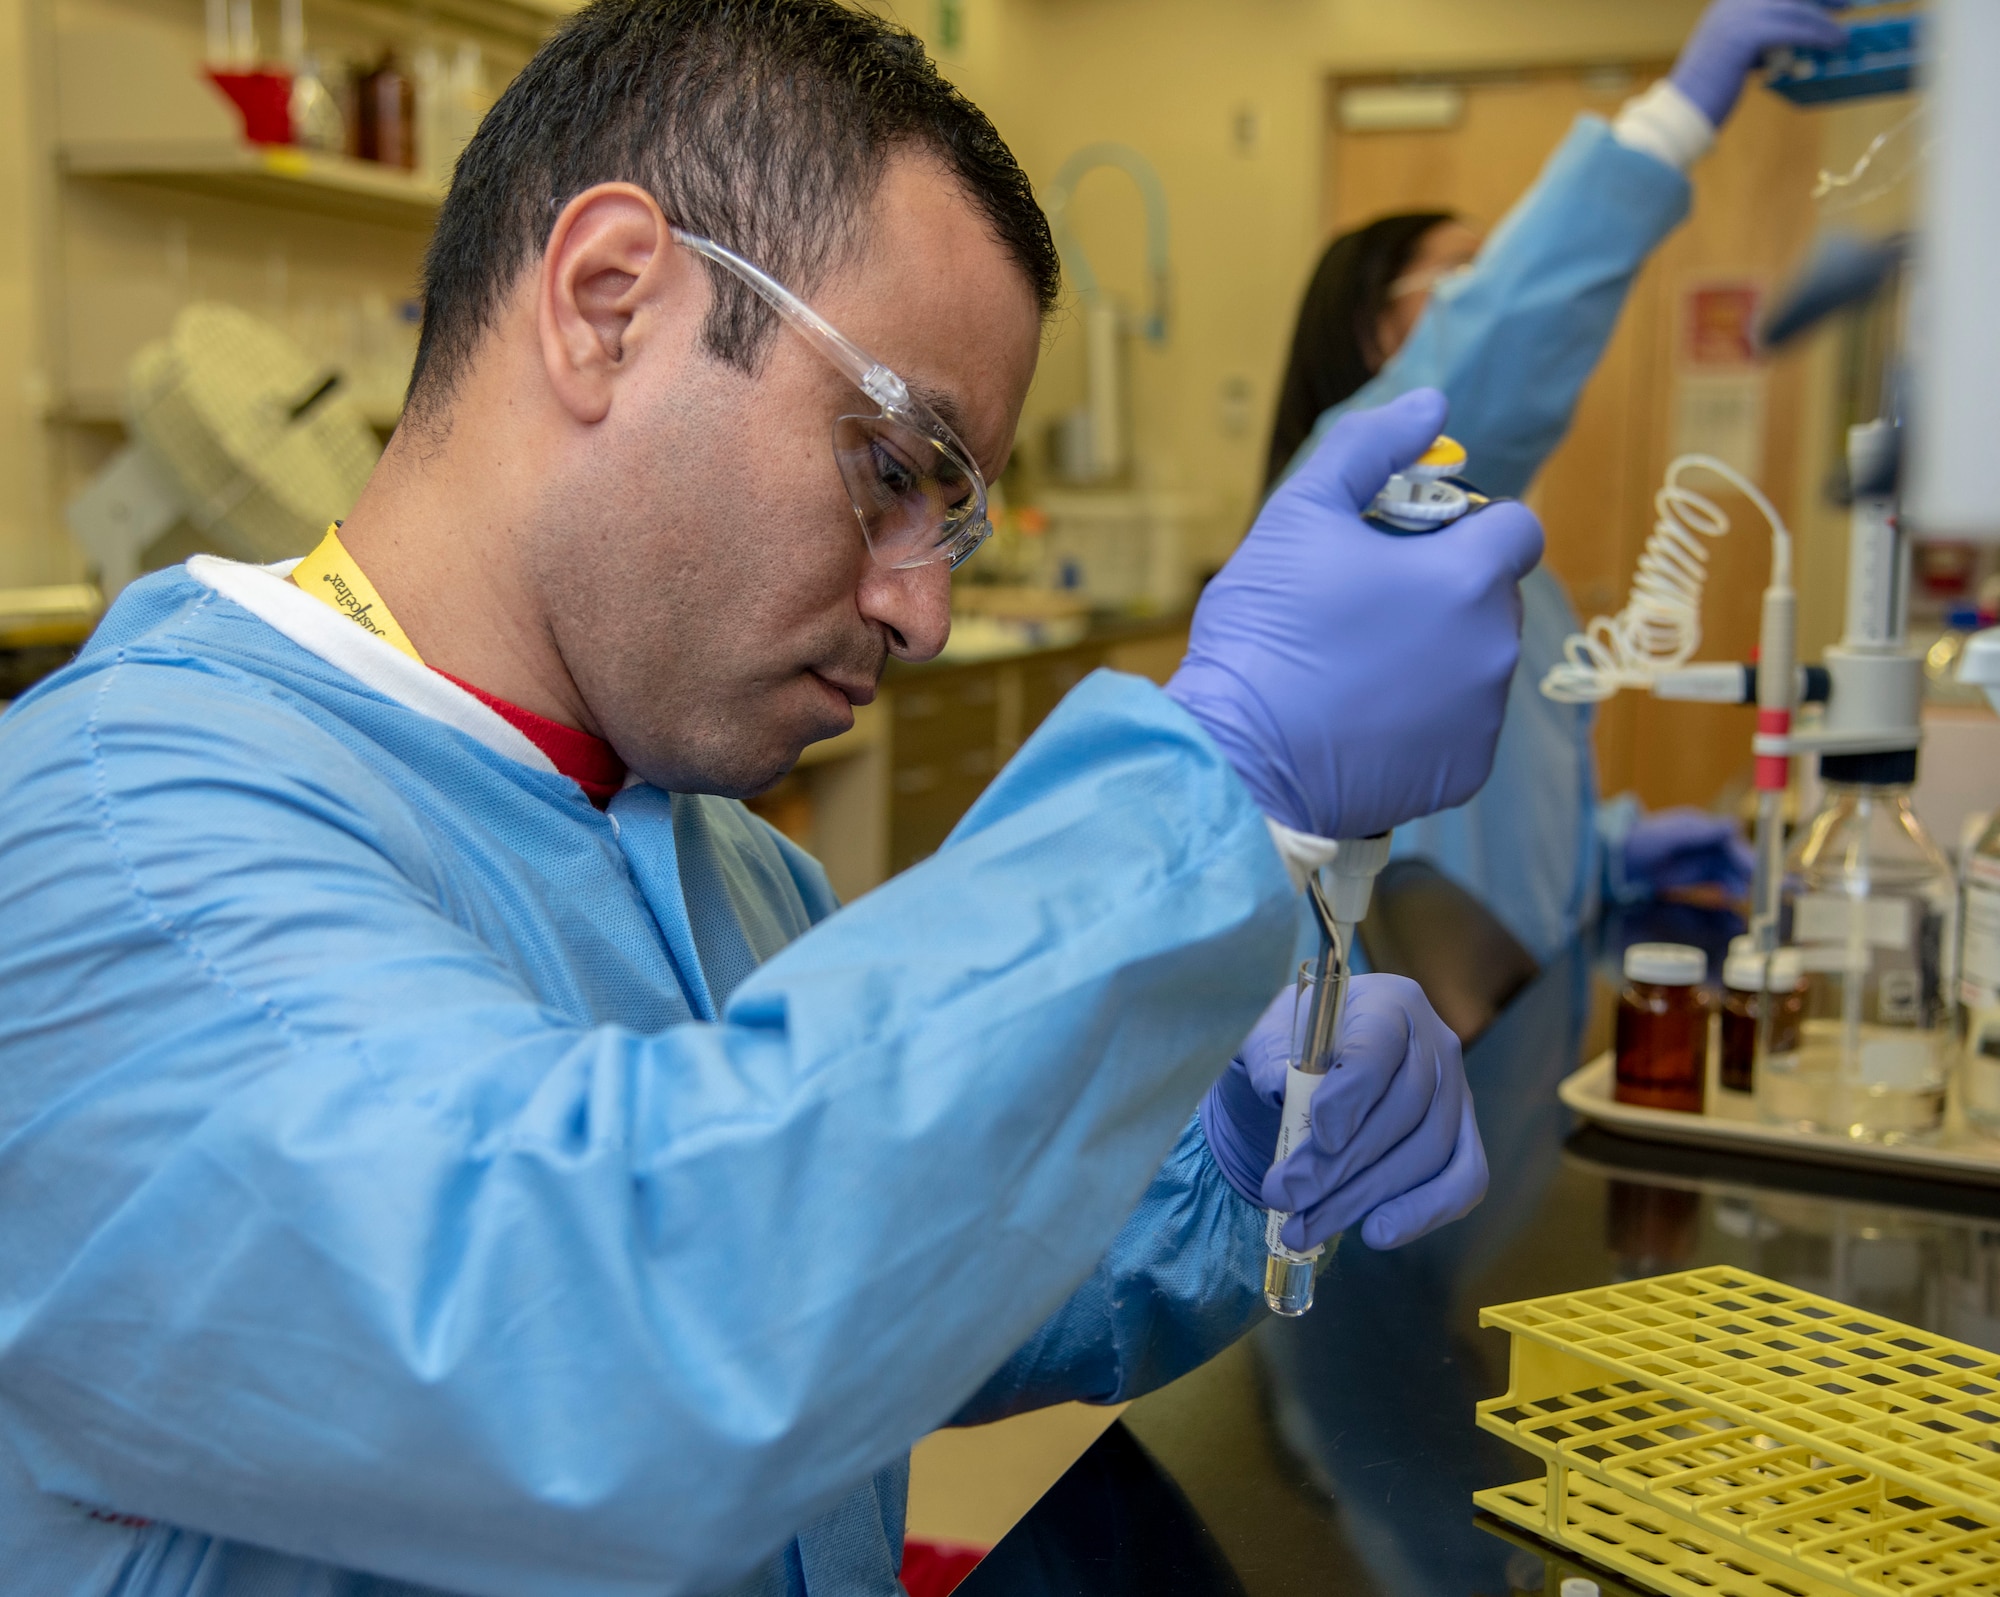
[[1510, 330], [1365, 298]]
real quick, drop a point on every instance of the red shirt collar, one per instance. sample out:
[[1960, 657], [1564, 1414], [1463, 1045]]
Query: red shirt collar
[[588, 761]]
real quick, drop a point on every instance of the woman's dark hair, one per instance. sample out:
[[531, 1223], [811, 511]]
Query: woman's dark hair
[[1332, 349], [762, 124]]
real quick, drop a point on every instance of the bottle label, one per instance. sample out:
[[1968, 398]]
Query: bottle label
[[1980, 1081], [1898, 997], [1896, 1063], [1979, 953], [1831, 917]]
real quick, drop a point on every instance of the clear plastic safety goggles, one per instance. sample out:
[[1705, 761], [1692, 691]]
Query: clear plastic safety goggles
[[916, 492]]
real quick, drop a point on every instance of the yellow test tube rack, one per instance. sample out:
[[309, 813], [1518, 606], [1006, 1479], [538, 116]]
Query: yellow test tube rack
[[1717, 1434]]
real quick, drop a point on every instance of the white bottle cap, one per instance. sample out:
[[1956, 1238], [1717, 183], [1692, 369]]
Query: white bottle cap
[[1744, 969], [1576, 1585], [1665, 964]]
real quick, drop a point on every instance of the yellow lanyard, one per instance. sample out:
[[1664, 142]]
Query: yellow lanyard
[[330, 575]]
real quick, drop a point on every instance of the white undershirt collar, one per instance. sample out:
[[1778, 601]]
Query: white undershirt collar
[[316, 628]]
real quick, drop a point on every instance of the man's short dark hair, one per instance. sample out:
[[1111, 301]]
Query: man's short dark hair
[[762, 124]]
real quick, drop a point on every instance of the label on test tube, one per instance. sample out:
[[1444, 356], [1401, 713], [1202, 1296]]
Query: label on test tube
[[1294, 1129], [1295, 1124]]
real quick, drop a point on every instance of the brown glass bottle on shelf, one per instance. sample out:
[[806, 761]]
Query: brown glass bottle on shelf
[[1744, 974], [385, 121], [1662, 1046]]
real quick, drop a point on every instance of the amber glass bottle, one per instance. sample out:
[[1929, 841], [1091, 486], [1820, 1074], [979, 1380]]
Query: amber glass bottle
[[1744, 974], [1663, 1028]]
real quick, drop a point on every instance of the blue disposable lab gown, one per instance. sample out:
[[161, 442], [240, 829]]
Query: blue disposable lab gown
[[409, 1169], [1511, 342]]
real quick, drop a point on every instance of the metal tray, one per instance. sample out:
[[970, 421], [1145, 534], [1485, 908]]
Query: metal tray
[[1959, 1154]]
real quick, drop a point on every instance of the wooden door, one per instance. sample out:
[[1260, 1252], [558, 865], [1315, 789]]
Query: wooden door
[[1752, 218]]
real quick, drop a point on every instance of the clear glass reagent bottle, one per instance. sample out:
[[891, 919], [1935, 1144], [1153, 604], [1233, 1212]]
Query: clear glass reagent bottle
[[1869, 904], [1976, 1014]]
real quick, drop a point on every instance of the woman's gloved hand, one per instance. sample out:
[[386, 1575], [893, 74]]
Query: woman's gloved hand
[[1678, 849], [1733, 36], [1354, 679], [1394, 1143]]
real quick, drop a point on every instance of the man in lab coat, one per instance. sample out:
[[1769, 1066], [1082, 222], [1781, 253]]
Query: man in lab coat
[[445, 1142]]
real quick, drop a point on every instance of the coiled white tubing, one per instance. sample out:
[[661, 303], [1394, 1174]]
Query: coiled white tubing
[[1660, 627]]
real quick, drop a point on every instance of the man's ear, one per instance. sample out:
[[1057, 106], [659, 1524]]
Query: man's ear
[[610, 270]]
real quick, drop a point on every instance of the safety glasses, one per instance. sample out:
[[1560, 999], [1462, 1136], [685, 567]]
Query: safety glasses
[[916, 492]]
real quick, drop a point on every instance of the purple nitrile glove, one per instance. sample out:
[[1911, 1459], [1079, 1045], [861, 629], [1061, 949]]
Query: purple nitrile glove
[[1394, 1143], [1682, 848], [1356, 680], [1733, 36]]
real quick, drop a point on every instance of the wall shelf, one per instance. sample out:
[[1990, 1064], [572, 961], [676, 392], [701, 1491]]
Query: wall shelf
[[92, 409], [528, 20], [300, 180]]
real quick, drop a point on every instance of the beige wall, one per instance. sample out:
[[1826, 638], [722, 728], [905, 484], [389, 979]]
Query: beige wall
[[1169, 78], [27, 553], [1166, 76]]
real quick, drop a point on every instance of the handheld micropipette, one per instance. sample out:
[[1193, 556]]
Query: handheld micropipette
[[1424, 496]]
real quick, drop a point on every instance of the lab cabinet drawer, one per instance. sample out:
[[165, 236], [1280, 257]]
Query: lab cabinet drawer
[[1045, 679], [946, 749], [927, 799], [955, 727], [941, 715], [917, 782]]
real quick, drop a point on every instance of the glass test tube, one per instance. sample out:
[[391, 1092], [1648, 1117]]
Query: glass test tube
[[1322, 995]]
